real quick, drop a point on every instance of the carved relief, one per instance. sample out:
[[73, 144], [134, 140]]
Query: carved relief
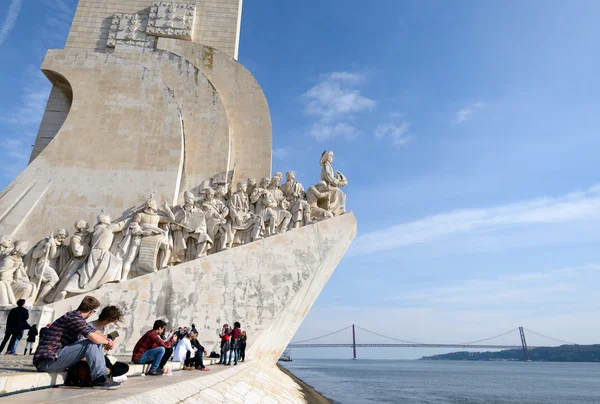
[[171, 19], [150, 239], [129, 29]]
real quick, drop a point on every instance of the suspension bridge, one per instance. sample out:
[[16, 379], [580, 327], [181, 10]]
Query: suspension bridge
[[400, 343]]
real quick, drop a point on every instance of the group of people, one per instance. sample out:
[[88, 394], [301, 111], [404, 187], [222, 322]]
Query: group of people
[[217, 219], [82, 347], [16, 325], [233, 341]]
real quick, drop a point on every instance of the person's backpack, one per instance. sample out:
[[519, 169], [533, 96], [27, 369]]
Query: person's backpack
[[213, 354], [79, 375]]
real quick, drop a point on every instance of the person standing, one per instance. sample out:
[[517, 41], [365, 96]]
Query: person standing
[[152, 349], [15, 323], [59, 349], [225, 331], [243, 340], [33, 332], [235, 343]]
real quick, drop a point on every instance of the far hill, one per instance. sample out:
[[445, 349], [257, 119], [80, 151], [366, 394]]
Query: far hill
[[563, 353]]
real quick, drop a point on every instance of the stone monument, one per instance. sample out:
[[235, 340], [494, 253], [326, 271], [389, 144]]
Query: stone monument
[[151, 144]]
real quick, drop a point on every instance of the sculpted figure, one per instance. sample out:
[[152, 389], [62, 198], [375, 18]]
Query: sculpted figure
[[144, 230], [251, 184], [101, 266], [6, 245], [216, 213], [8, 266], [21, 286], [46, 260], [336, 204], [265, 206], [80, 248], [294, 193], [190, 237], [221, 194], [245, 225], [283, 216], [316, 195]]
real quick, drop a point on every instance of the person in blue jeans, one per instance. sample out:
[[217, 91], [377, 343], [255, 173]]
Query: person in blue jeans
[[225, 346], [235, 342], [152, 349]]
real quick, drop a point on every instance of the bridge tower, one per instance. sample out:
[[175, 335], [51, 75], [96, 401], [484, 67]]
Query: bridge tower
[[524, 343], [353, 343]]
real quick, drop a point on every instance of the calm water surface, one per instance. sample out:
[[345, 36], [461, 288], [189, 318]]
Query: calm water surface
[[370, 381]]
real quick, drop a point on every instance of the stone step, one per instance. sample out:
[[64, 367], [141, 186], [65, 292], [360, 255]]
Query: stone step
[[27, 380]]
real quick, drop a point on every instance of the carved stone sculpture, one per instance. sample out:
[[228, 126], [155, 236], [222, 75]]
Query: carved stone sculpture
[[334, 180], [80, 248], [318, 195], [245, 225], [294, 193], [265, 206], [250, 188], [7, 270], [192, 230], [218, 227], [21, 286], [101, 266], [283, 216], [46, 260], [190, 236], [144, 242], [6, 245]]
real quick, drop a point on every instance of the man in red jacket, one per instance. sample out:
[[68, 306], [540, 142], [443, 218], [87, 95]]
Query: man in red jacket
[[152, 349]]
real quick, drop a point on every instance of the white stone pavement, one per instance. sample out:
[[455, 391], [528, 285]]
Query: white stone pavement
[[249, 382]]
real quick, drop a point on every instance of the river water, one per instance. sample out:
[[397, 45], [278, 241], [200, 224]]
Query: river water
[[387, 381]]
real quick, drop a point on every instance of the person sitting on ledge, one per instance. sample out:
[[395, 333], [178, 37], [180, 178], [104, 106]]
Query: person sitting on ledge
[[152, 349], [58, 348]]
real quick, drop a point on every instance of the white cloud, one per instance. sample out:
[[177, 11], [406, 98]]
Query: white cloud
[[397, 133], [10, 20], [466, 113], [280, 153], [576, 206], [334, 102], [530, 287]]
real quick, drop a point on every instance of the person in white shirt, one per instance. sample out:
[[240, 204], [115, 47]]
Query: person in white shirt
[[185, 353]]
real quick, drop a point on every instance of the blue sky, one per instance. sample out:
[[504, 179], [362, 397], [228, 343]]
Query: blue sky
[[469, 135]]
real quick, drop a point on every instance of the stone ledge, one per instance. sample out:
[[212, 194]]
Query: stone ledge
[[30, 380]]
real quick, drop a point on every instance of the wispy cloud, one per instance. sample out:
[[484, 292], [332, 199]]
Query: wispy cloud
[[538, 287], [11, 18], [334, 102], [466, 113], [280, 153], [576, 206], [397, 133], [32, 101]]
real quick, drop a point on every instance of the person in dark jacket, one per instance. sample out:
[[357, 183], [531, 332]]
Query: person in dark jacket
[[199, 353], [16, 322], [243, 341], [33, 332]]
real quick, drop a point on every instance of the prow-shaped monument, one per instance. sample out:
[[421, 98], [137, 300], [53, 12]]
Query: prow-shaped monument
[[150, 185]]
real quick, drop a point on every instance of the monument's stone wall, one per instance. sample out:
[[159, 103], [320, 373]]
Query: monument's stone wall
[[244, 100], [122, 140], [216, 24], [268, 286]]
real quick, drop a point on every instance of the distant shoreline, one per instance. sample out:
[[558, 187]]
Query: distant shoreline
[[563, 353], [311, 395]]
